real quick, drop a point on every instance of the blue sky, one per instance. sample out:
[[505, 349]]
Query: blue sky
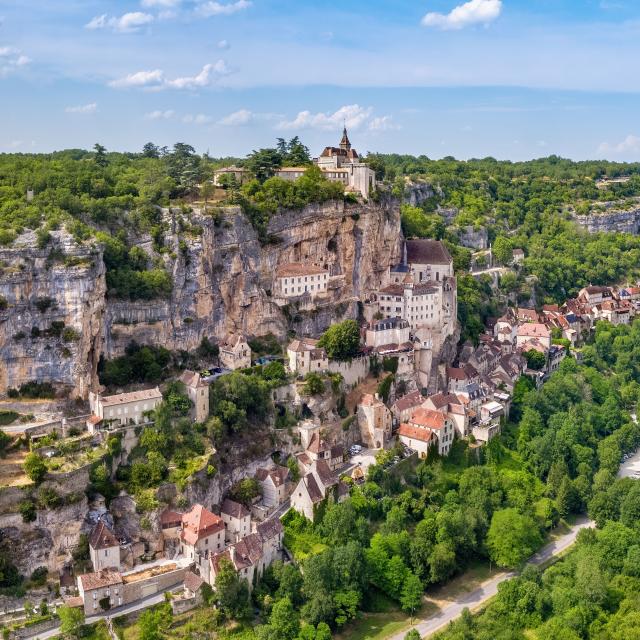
[[514, 79]]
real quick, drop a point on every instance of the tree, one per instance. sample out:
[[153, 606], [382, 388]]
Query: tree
[[100, 155], [411, 596], [284, 621], [313, 384], [512, 537], [263, 163], [536, 360], [232, 593], [153, 622], [414, 634], [71, 620], [341, 341], [34, 467], [150, 150], [502, 249]]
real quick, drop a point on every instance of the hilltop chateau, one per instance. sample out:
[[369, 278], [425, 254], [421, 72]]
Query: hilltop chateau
[[338, 164]]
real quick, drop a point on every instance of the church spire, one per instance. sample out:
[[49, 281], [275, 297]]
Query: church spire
[[344, 143]]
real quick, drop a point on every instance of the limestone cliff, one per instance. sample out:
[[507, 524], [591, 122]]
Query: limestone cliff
[[612, 220], [223, 277], [48, 290]]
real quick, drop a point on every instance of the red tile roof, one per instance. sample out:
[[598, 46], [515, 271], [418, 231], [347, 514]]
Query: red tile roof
[[427, 418], [102, 537], [200, 523], [415, 433]]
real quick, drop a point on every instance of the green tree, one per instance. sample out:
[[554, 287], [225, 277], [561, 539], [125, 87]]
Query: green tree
[[411, 596], [502, 249], [100, 155], [536, 360], [512, 537], [34, 467], [232, 593], [71, 620], [341, 341], [263, 163], [313, 384], [414, 634]]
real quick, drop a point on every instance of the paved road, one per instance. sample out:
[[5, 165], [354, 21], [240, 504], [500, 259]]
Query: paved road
[[149, 601], [487, 590]]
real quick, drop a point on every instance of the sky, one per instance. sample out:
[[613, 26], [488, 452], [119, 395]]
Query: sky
[[512, 79]]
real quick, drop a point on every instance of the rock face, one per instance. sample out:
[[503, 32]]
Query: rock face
[[612, 221], [223, 276], [43, 291]]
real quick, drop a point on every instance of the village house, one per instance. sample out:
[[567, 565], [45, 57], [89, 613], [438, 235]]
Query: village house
[[235, 353], [202, 532], [237, 520], [319, 449], [517, 256], [198, 391], [427, 428], [375, 421], [533, 331], [489, 426], [125, 408], [593, 295], [304, 356], [403, 407], [459, 378], [104, 548], [314, 487], [298, 279], [392, 331], [273, 484], [453, 408], [252, 554], [104, 587]]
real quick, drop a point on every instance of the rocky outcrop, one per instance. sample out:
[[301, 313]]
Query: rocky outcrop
[[223, 277], [611, 220], [61, 286], [418, 192]]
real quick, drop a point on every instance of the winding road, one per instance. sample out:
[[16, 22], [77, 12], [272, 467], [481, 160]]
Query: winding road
[[474, 599]]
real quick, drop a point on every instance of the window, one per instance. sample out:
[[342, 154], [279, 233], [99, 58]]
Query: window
[[106, 553]]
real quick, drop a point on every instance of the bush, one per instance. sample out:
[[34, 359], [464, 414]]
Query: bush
[[313, 385], [28, 510], [70, 335], [42, 304], [341, 341], [34, 467]]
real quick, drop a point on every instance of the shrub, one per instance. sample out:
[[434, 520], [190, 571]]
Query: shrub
[[42, 304], [28, 510], [313, 385], [34, 467], [70, 335]]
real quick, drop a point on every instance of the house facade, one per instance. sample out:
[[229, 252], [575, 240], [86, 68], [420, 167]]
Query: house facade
[[235, 353], [125, 408], [304, 356], [297, 279], [198, 391], [104, 548]]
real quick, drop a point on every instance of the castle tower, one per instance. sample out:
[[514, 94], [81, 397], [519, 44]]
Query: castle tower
[[344, 143]]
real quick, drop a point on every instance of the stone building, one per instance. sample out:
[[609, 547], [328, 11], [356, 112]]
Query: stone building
[[273, 483], [375, 421], [237, 520], [104, 548], [105, 585], [198, 391], [338, 164], [125, 408], [202, 532], [298, 279], [235, 353], [305, 356]]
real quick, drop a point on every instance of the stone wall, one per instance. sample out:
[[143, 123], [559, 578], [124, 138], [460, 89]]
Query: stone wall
[[353, 371], [133, 591]]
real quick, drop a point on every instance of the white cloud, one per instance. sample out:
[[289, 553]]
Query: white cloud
[[11, 59], [464, 15], [223, 44], [153, 78], [199, 118], [92, 107], [159, 115], [209, 74], [213, 8], [352, 115], [150, 4], [126, 23], [383, 123], [237, 118], [631, 144]]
